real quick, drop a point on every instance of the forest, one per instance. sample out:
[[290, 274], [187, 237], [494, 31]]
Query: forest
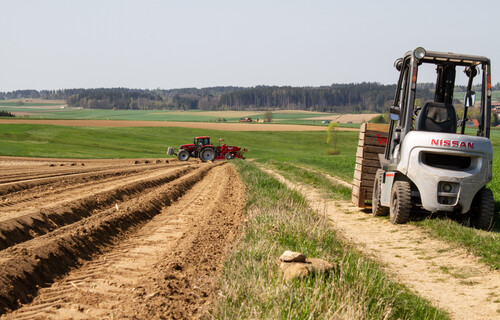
[[340, 98]]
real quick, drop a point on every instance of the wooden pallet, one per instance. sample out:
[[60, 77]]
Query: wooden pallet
[[372, 141]]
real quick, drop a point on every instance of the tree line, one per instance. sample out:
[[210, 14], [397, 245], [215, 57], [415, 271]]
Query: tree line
[[129, 99], [343, 98]]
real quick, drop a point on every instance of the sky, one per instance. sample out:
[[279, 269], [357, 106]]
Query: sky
[[149, 44]]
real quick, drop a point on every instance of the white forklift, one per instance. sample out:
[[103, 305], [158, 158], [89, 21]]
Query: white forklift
[[432, 161]]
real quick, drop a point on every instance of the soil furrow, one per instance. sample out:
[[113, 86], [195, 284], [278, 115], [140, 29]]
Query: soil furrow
[[9, 176], [40, 219], [23, 182], [58, 185], [66, 184], [46, 172], [163, 270], [14, 169], [32, 264]]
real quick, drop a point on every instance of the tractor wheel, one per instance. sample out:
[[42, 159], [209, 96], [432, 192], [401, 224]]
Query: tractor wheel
[[483, 210], [377, 209], [229, 156], [183, 155], [207, 154], [400, 202]]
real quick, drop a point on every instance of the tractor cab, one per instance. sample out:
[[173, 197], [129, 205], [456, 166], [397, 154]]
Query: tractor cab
[[432, 159], [200, 142]]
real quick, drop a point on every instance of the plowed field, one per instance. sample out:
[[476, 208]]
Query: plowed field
[[114, 239]]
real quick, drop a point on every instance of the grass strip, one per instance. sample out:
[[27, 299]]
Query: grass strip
[[295, 173], [485, 245], [341, 166], [36, 140], [278, 220]]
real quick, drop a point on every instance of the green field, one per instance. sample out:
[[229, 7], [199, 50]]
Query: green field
[[308, 147], [53, 111], [495, 95], [131, 142]]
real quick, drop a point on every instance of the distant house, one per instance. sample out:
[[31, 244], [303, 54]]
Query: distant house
[[469, 123], [472, 123], [495, 107]]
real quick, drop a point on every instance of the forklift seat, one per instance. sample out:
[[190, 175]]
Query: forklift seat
[[437, 117]]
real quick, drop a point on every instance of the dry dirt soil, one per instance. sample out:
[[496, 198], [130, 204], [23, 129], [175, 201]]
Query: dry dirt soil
[[114, 239], [199, 125], [347, 118]]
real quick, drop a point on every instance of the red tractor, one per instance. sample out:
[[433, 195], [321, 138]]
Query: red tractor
[[201, 148]]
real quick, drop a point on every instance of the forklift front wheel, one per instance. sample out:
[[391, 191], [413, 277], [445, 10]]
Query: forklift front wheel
[[400, 202], [483, 210]]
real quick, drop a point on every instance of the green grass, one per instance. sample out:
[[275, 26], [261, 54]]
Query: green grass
[[279, 220], [495, 95], [293, 172], [132, 142], [74, 142], [137, 115], [485, 245], [72, 113], [341, 165]]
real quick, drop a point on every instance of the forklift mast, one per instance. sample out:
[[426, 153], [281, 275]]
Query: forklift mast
[[403, 108], [445, 83]]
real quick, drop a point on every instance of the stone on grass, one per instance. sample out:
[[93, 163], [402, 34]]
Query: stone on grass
[[290, 256], [320, 265], [292, 269]]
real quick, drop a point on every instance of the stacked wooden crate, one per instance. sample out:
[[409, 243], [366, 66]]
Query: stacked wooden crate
[[372, 141]]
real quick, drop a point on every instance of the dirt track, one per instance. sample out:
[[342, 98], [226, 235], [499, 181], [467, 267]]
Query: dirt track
[[113, 239], [198, 125]]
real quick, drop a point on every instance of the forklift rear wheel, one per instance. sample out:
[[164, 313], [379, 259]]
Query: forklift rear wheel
[[400, 202], [377, 209]]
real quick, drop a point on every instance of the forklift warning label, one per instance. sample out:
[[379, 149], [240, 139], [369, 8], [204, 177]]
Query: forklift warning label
[[452, 143]]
